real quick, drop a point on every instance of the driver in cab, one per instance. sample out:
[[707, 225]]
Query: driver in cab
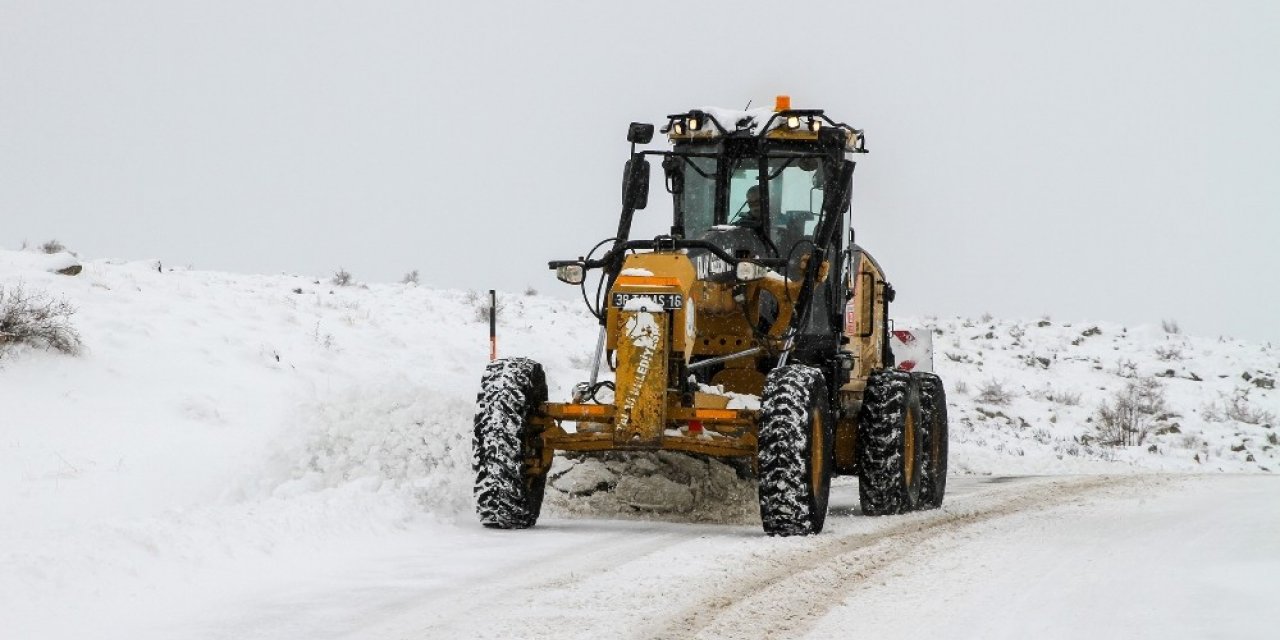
[[753, 217]]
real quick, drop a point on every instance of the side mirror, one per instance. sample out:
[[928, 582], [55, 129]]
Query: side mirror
[[639, 133], [635, 182]]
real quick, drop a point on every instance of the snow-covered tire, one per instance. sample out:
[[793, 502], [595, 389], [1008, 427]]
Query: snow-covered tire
[[890, 438], [505, 443], [795, 451], [933, 409]]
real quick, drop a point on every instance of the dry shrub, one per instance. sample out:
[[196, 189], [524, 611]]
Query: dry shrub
[[993, 392], [37, 320], [1130, 415], [480, 304], [1237, 408], [1067, 398], [341, 278]]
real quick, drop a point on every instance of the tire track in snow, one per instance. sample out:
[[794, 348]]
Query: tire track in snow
[[454, 615], [783, 594]]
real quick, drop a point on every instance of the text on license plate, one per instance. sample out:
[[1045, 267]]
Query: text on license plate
[[667, 300]]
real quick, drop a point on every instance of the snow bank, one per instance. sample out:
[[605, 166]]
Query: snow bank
[[666, 486], [216, 418]]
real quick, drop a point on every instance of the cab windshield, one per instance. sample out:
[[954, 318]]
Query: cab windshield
[[795, 199], [795, 188]]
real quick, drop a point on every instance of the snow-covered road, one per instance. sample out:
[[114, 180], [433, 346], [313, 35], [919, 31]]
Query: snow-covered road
[[1070, 557]]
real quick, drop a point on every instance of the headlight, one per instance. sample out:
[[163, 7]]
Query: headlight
[[570, 273], [793, 122], [748, 271]]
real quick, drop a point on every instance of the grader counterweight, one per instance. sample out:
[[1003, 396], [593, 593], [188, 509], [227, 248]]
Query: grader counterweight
[[760, 293]]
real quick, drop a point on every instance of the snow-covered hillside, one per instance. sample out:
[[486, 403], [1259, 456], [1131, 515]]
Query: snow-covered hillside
[[1025, 397], [215, 420]]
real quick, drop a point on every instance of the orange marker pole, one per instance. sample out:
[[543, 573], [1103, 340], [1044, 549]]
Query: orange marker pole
[[493, 325]]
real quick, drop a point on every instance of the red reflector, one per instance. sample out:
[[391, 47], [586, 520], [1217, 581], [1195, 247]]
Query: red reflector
[[695, 426]]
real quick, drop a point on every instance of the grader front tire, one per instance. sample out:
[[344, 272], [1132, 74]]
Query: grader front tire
[[505, 443], [796, 440]]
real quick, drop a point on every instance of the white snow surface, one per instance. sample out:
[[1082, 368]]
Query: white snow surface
[[20, 261], [232, 450]]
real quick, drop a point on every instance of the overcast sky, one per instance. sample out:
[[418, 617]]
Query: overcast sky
[[1087, 160]]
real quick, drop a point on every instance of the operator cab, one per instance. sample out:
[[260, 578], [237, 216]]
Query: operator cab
[[751, 194]]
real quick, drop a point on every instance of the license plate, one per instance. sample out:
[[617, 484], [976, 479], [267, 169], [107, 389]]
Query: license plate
[[668, 301]]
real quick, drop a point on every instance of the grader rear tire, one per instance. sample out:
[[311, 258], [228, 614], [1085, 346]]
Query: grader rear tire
[[508, 493], [796, 440], [933, 405], [891, 438]]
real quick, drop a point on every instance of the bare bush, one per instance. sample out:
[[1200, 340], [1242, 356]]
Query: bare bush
[[1068, 398], [53, 246], [410, 278], [1169, 352], [1170, 326], [987, 317], [1130, 415], [530, 291], [35, 319], [480, 304], [341, 278], [1127, 369], [993, 392], [1237, 408], [960, 386]]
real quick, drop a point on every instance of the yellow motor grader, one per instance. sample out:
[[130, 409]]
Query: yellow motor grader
[[756, 330]]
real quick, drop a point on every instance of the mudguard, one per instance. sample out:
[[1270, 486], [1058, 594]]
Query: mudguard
[[913, 349]]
